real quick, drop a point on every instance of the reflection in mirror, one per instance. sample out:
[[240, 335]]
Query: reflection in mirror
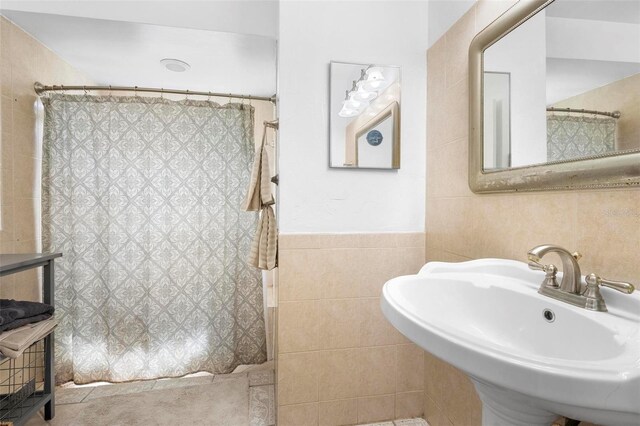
[[497, 112], [364, 116], [564, 85]]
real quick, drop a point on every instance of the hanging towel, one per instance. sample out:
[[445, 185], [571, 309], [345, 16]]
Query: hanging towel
[[260, 187], [265, 243], [14, 342]]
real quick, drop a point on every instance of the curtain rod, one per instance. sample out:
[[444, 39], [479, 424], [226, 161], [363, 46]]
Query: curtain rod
[[41, 88], [614, 114]]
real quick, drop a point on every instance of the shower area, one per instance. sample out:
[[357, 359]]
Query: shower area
[[143, 196], [157, 183], [574, 133]]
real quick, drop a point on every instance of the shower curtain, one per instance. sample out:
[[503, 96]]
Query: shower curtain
[[143, 197], [570, 137]]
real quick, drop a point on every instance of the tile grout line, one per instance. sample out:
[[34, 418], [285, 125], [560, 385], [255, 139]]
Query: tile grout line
[[88, 393]]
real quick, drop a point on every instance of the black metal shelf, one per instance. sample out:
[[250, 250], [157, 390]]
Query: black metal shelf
[[11, 264]]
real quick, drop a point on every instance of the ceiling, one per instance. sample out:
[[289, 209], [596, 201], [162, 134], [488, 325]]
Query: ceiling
[[590, 44], [128, 53], [443, 14], [252, 17]]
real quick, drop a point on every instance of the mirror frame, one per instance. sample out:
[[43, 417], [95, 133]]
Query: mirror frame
[[617, 170]]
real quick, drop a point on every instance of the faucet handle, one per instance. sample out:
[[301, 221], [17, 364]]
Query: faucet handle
[[593, 281], [549, 270], [536, 266]]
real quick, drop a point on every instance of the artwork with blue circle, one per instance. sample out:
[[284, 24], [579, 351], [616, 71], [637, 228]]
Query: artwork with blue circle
[[374, 138]]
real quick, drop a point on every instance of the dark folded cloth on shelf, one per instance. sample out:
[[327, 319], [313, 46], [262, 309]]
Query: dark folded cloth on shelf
[[16, 313]]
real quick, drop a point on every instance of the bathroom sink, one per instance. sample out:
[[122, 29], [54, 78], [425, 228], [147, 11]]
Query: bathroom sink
[[530, 357]]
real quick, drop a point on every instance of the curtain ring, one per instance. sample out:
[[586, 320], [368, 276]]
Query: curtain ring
[[161, 93], [62, 89], [135, 91], [208, 96], [229, 98], [85, 90], [186, 98], [110, 90]]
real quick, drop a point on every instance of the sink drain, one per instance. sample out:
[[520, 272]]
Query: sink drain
[[549, 315]]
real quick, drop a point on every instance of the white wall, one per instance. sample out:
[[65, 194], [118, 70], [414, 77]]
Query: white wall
[[610, 51], [595, 40], [314, 198], [523, 55]]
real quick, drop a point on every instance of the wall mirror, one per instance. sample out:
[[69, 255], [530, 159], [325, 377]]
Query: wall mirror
[[555, 97], [364, 116]]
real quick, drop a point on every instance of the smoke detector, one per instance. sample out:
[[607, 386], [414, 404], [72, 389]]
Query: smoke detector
[[175, 65]]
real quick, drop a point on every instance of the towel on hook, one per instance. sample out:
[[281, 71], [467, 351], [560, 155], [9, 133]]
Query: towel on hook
[[260, 187], [259, 198], [265, 243]]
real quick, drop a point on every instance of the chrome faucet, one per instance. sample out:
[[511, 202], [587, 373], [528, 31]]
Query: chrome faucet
[[571, 290]]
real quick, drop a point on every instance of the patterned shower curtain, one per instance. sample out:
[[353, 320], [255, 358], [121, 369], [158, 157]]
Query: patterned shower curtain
[[570, 137], [142, 196]]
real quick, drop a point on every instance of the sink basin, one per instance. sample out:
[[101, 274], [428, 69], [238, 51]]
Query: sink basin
[[530, 357]]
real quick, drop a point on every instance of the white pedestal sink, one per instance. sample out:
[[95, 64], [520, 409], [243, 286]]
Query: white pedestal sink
[[530, 357]]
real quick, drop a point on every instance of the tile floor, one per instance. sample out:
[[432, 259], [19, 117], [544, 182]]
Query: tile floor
[[237, 399]]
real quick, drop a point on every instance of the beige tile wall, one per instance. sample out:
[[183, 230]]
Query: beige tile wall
[[604, 225], [23, 60], [339, 361]]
